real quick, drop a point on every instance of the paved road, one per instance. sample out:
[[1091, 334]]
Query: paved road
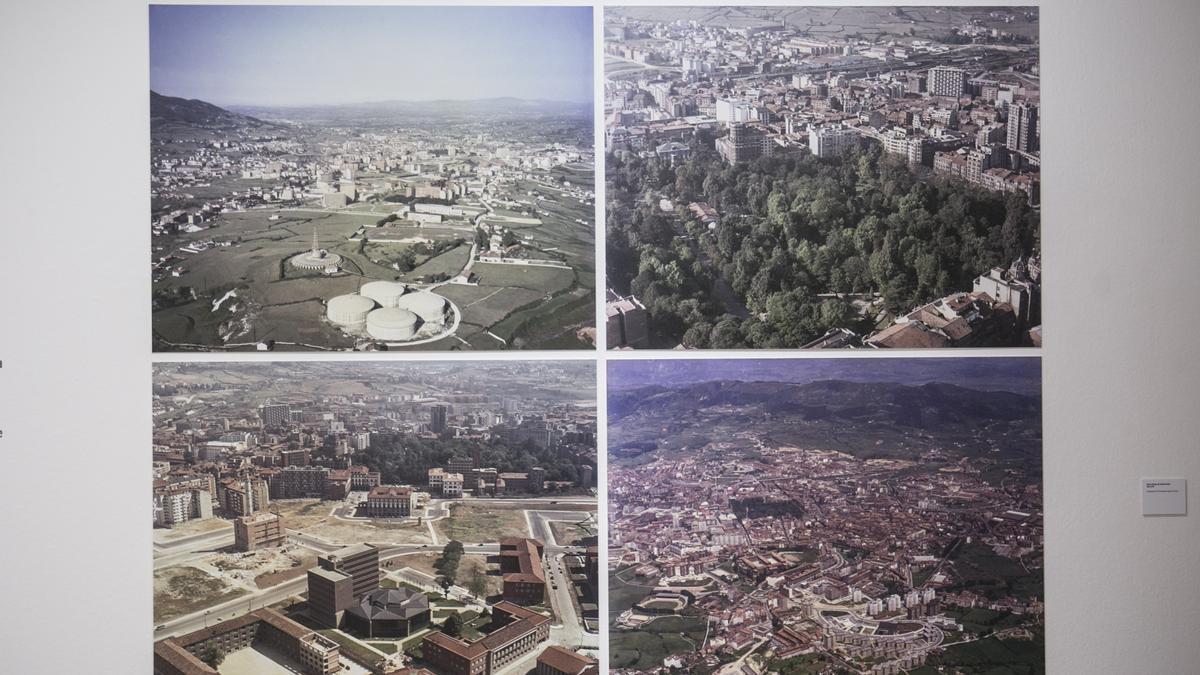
[[539, 523], [195, 540]]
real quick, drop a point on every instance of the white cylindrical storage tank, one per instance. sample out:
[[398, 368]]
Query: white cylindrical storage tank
[[430, 307], [349, 311], [392, 324], [386, 293]]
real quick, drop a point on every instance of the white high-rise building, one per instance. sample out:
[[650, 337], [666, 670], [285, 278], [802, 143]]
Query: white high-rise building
[[947, 81], [893, 603], [1022, 127], [735, 110], [831, 140]]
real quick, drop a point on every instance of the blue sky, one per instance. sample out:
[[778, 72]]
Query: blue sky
[[297, 55]]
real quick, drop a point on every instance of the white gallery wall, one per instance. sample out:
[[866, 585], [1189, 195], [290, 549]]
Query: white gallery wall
[[1121, 232]]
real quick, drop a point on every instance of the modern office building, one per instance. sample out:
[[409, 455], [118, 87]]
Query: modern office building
[[330, 594], [360, 562], [298, 457]]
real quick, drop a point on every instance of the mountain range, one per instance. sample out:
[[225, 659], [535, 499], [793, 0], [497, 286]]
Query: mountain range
[[866, 419], [832, 400], [168, 110]]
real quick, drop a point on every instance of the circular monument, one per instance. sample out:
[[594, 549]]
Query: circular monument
[[317, 259]]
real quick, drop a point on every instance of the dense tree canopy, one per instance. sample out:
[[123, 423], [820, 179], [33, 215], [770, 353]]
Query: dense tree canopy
[[792, 228], [404, 459]]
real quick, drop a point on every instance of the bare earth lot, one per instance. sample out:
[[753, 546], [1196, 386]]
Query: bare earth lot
[[183, 590], [479, 523], [311, 517], [567, 533]]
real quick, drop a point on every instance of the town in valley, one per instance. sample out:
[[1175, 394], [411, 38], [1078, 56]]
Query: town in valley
[[399, 206], [866, 516]]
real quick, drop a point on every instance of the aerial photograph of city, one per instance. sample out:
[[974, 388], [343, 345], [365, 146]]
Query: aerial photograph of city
[[372, 178], [875, 516], [429, 517], [822, 177]]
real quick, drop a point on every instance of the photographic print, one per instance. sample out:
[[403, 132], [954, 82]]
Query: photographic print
[[367, 517], [822, 177], [870, 515], [372, 178]]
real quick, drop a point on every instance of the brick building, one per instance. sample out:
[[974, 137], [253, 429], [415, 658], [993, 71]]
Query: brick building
[[521, 570], [514, 632], [261, 530], [315, 654]]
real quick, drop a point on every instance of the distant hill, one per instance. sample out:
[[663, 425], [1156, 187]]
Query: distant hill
[[854, 416], [1017, 375], [928, 404], [171, 110]]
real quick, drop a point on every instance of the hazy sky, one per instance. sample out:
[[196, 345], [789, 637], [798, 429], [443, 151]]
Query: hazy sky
[[294, 55], [1017, 374]]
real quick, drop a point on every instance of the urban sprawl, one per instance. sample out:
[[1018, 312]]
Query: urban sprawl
[[753, 89], [286, 541]]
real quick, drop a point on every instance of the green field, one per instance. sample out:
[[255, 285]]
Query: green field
[[526, 307], [651, 643], [625, 591], [993, 656], [979, 569], [449, 263], [805, 664]]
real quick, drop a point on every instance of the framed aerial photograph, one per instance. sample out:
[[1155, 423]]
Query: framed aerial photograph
[[372, 178], [858, 515], [822, 177], [363, 517]]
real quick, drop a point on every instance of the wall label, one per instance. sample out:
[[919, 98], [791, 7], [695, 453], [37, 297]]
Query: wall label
[[1164, 497]]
